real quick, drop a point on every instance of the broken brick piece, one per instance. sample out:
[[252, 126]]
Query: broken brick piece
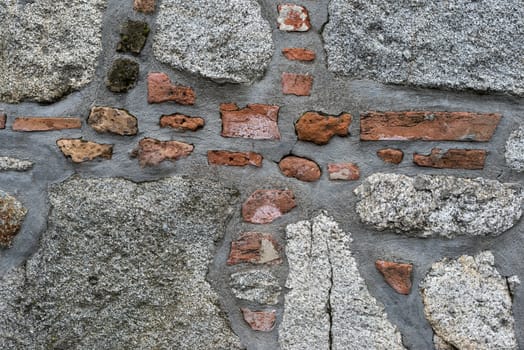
[[298, 54], [390, 155], [254, 248], [296, 84], [81, 150], [3, 119], [160, 89], [181, 122], [470, 159], [343, 171], [293, 18], [152, 152], [234, 158], [300, 168], [428, 126], [12, 214], [112, 120], [145, 6], [263, 321], [319, 128], [256, 121], [46, 124], [264, 206], [397, 275]]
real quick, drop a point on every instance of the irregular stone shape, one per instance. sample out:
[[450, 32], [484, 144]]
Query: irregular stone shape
[[452, 46], [123, 75], [440, 344], [182, 122], [296, 84], [133, 36], [397, 275], [299, 54], [452, 159], [434, 205], [122, 265], [391, 155], [263, 321], [256, 121], [46, 124], [513, 283], [49, 48], [234, 158], [343, 171], [254, 248], [259, 286], [225, 40], [160, 89], [320, 128], [3, 118], [468, 304], [12, 214], [264, 206], [515, 150], [145, 6], [293, 18], [82, 150], [427, 126], [112, 120], [328, 305], [152, 152], [300, 168], [8, 163]]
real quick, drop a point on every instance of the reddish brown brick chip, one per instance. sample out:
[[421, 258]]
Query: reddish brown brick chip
[[470, 159], [391, 155], [293, 18], [3, 119], [297, 84], [397, 275], [298, 54], [153, 152], [254, 248], [263, 321], [182, 122], [343, 171], [234, 158], [46, 124], [145, 6], [256, 121], [319, 128], [160, 89], [112, 120], [300, 168], [81, 150], [264, 206]]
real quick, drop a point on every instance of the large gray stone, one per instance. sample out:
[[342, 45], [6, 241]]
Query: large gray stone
[[48, 47], [515, 150], [328, 305], [14, 164], [121, 266], [453, 44], [225, 40], [434, 205], [259, 286], [468, 303]]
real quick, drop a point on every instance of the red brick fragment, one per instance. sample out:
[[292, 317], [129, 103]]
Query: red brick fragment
[[263, 321], [390, 155], [293, 18], [428, 126], [145, 6], [343, 171], [397, 275], [300, 168], [298, 54], [81, 150], [152, 152], [234, 158], [264, 206], [112, 120], [181, 122], [160, 89], [319, 128], [46, 124], [296, 84], [254, 248], [452, 159], [3, 119], [256, 121]]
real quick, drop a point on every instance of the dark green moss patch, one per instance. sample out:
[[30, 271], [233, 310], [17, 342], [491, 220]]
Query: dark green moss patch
[[123, 75], [133, 36]]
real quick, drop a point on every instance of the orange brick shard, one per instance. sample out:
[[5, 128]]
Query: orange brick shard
[[390, 155], [81, 150], [263, 321], [160, 89], [3, 119], [145, 6], [298, 54], [470, 159], [182, 122], [254, 248], [255, 121], [293, 18], [234, 158], [319, 128], [46, 124], [297, 84], [300, 168], [152, 152], [343, 171], [397, 275], [264, 206]]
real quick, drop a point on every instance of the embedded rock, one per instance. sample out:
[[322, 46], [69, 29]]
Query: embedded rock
[[293, 18], [263, 321], [300, 168], [320, 128], [255, 121], [112, 120], [144, 6], [12, 214], [452, 159], [391, 155], [225, 40], [160, 89], [8, 163], [299, 54], [343, 171], [46, 123], [133, 35], [259, 286], [181, 122], [296, 84], [264, 206], [3, 119], [123, 75], [153, 152], [254, 248], [81, 150], [515, 150], [397, 275], [434, 205], [217, 157]]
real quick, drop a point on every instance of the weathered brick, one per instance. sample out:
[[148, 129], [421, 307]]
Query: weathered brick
[[81, 150], [12, 214], [300, 168], [343, 171], [145, 6], [263, 321], [296, 84], [254, 248], [320, 128], [298, 54], [430, 126], [397, 275], [264, 206], [160, 89], [152, 152], [234, 158], [390, 155], [293, 18], [452, 159], [256, 121], [181, 122], [3, 119], [46, 123], [123, 75], [133, 36], [112, 120]]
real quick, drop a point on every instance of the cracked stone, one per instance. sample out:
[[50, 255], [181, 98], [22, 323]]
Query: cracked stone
[[263, 321], [160, 89], [234, 158], [152, 151], [343, 171], [293, 18], [296, 84], [254, 248], [265, 206], [320, 128], [515, 150], [123, 75], [452, 159], [255, 121], [12, 214], [81, 150], [46, 123], [182, 122], [299, 54], [391, 155], [112, 120], [259, 286], [133, 36], [8, 163], [397, 275], [300, 168]]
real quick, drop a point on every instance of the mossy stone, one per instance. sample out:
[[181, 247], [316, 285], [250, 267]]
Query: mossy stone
[[123, 75], [133, 36]]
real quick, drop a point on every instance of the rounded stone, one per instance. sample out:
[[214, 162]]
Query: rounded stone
[[12, 214], [300, 168], [515, 150]]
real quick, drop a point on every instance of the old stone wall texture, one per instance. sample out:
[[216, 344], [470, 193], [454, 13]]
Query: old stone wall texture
[[252, 174]]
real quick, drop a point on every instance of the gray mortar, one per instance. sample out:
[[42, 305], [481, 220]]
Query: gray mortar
[[330, 94]]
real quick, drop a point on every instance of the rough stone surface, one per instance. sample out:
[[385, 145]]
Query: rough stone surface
[[328, 305], [152, 152], [299, 54], [82, 150], [259, 286], [112, 120], [452, 159], [145, 6], [468, 304], [123, 75], [456, 45], [3, 119], [319, 128], [234, 158], [49, 48], [133, 36], [254, 248], [264, 206], [296, 84], [397, 275], [293, 18], [263, 321], [122, 266], [46, 124], [343, 171], [182, 122], [440, 344], [255, 121], [515, 150], [9, 163], [12, 214], [300, 168], [160, 89], [391, 155], [225, 40], [435, 205]]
